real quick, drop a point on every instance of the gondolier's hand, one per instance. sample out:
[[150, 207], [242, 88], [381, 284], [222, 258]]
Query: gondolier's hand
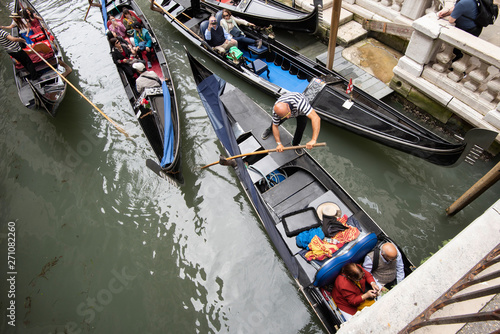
[[280, 147], [310, 144]]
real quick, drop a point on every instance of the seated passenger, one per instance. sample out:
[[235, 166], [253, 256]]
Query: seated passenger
[[351, 290], [143, 41], [230, 24], [128, 21], [387, 268], [123, 58], [122, 40], [33, 19], [117, 28], [146, 78], [217, 37], [23, 25]]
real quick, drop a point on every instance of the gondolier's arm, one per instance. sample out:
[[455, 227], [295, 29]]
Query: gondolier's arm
[[316, 125]]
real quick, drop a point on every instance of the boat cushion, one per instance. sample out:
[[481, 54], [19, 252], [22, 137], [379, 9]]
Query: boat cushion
[[203, 27], [257, 51], [218, 16], [331, 269], [259, 67], [299, 221]]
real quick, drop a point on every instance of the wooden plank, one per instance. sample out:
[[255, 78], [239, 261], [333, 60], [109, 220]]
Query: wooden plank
[[390, 28]]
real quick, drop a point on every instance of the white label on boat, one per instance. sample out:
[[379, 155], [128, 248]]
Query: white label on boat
[[348, 104]]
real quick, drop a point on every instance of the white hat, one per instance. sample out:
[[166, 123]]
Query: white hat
[[329, 209], [139, 66]]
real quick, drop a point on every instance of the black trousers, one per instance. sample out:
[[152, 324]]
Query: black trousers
[[25, 60], [299, 130], [476, 31]]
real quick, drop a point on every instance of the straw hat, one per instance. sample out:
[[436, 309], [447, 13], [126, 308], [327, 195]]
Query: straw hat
[[329, 209], [15, 16]]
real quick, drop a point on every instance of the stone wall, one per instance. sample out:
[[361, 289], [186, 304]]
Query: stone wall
[[468, 88]]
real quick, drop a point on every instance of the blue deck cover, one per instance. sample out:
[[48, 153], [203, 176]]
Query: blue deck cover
[[168, 138], [329, 272]]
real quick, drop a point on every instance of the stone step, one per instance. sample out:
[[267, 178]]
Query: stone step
[[360, 78]]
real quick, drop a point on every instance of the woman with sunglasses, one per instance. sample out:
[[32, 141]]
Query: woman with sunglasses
[[351, 291], [230, 24]]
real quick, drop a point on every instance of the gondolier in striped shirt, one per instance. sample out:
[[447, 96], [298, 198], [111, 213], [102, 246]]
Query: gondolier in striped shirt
[[13, 48], [293, 105]]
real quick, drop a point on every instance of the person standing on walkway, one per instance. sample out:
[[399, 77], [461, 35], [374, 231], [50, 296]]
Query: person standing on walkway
[[13, 48], [463, 15], [293, 105]]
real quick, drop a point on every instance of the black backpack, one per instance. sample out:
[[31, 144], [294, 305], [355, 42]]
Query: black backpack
[[487, 13]]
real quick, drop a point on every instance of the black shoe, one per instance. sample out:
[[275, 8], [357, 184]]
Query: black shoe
[[266, 133]]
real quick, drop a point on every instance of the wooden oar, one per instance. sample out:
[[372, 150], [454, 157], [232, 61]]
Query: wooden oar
[[171, 16], [85, 18], [69, 83], [262, 152]]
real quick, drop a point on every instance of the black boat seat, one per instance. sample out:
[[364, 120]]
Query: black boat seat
[[300, 187], [299, 221], [258, 66], [329, 196]]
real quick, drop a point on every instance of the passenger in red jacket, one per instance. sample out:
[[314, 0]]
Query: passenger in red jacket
[[350, 291]]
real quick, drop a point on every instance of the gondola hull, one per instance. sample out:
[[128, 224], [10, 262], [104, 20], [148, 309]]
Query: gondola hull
[[326, 91], [269, 12], [155, 108], [48, 90], [283, 185]]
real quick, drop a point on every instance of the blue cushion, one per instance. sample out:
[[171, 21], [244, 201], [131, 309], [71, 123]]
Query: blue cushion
[[330, 270], [259, 67], [203, 28], [218, 16], [261, 50]]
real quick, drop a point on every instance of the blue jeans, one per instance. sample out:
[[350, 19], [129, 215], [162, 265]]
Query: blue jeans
[[244, 42]]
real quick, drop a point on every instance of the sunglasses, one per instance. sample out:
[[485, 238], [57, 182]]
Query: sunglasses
[[213, 21], [226, 15]]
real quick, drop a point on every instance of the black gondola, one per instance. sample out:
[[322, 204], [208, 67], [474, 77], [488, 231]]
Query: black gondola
[[47, 90], [270, 12], [285, 185], [155, 108], [276, 69]]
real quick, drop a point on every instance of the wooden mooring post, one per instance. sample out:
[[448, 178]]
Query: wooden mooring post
[[334, 27], [477, 189]]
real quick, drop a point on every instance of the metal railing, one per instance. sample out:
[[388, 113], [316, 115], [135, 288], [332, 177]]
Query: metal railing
[[472, 278]]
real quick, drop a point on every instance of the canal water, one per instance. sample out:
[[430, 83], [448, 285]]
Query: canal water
[[104, 246]]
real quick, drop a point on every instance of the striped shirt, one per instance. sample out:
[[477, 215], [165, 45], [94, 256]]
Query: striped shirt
[[8, 45], [299, 106]]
